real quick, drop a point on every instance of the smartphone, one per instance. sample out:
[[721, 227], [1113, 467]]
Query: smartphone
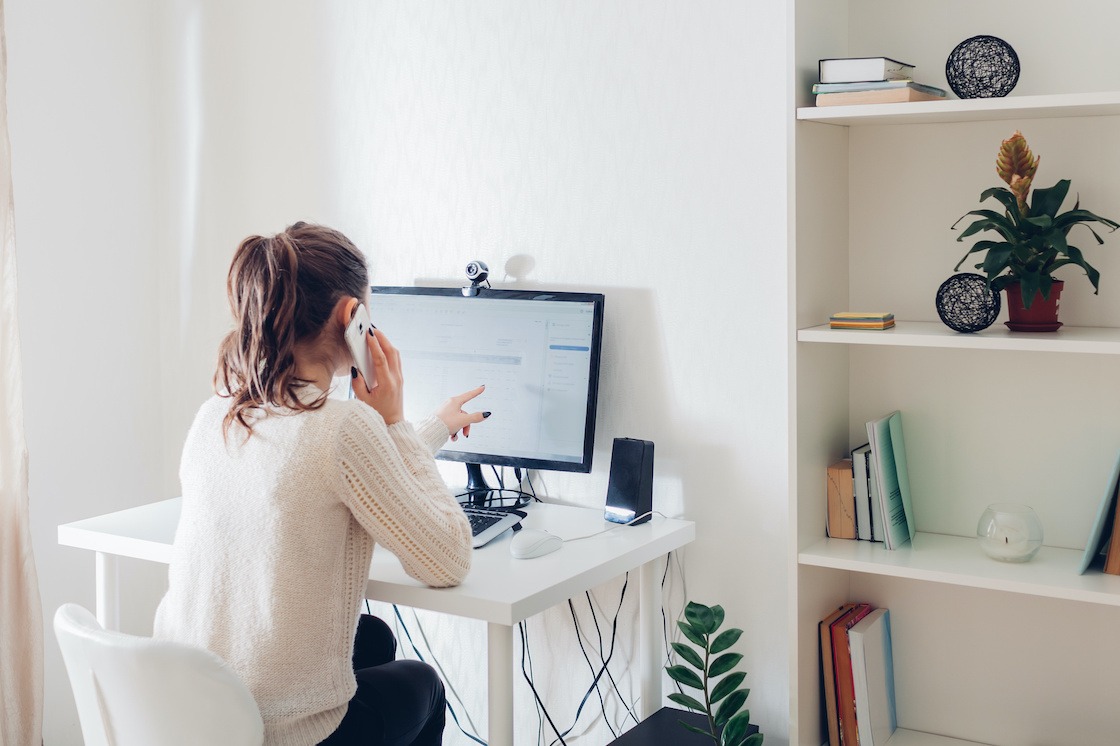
[[356, 332]]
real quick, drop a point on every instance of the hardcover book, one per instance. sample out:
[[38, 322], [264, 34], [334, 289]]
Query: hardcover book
[[848, 69], [841, 508], [842, 665], [1101, 533], [873, 677]]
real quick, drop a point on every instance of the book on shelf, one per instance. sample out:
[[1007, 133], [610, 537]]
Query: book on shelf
[[862, 496], [902, 94], [1103, 532], [828, 675], [888, 465], [875, 501], [851, 69], [840, 516], [873, 678], [861, 320], [884, 85], [842, 670]]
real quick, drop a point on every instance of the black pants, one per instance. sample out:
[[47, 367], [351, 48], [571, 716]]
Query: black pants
[[398, 703]]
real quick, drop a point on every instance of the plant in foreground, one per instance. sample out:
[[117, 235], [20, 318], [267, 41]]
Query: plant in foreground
[[727, 725]]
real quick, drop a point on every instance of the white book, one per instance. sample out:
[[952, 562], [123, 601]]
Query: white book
[[873, 675], [860, 475], [892, 477], [860, 69]]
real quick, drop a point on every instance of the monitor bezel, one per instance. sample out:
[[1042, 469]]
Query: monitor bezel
[[596, 299]]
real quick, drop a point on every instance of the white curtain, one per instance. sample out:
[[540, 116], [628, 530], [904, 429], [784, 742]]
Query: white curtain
[[21, 614]]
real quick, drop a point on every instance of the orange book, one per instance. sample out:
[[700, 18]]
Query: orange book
[[1112, 558], [828, 675], [845, 683]]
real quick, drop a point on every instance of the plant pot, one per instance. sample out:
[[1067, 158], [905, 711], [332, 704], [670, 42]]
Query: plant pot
[[1042, 316]]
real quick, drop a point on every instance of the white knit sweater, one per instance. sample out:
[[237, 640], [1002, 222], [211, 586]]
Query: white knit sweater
[[273, 548]]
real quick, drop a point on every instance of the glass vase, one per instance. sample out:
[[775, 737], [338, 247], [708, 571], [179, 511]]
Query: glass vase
[[1009, 532]]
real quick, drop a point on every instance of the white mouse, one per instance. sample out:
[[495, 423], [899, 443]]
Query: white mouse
[[533, 542]]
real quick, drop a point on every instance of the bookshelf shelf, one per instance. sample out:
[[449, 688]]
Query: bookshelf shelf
[[904, 737], [958, 560], [1106, 103], [1091, 340]]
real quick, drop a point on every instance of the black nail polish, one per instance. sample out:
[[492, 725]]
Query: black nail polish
[[371, 330], [353, 372], [485, 415]]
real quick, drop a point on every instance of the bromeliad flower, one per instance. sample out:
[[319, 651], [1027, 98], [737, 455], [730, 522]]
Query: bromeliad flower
[[1016, 165]]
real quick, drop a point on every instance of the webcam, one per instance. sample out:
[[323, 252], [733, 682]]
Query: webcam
[[477, 272]]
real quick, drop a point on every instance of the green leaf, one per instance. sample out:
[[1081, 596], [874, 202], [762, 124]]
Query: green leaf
[[1076, 257], [686, 701], [690, 655], [717, 615], [1028, 285], [755, 739], [723, 664], [685, 676], [727, 685], [1042, 221], [700, 617], [730, 706], [1049, 201], [735, 732], [726, 639], [692, 634], [1083, 216], [694, 729], [1006, 198], [997, 259]]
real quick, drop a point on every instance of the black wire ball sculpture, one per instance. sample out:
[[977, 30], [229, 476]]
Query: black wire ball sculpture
[[965, 303], [982, 67]]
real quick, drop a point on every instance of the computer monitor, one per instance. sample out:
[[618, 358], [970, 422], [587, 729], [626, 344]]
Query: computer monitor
[[536, 351]]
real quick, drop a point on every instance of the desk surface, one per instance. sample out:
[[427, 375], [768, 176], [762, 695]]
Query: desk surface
[[499, 588]]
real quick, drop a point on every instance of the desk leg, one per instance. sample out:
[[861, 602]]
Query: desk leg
[[106, 590], [499, 653], [651, 651]]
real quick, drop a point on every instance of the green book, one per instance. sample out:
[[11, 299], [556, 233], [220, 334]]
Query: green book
[[888, 464]]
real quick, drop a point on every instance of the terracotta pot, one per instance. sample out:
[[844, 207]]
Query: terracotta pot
[[1042, 316]]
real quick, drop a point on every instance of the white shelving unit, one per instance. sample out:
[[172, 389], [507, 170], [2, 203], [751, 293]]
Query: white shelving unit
[[992, 653]]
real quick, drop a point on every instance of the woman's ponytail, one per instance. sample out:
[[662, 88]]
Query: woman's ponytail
[[281, 291]]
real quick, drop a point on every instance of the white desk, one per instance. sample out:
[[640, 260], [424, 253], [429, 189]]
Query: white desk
[[499, 590]]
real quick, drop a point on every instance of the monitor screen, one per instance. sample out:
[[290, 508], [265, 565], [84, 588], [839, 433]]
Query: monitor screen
[[537, 353]]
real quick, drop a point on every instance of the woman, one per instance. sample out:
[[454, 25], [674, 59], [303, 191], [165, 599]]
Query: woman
[[285, 493]]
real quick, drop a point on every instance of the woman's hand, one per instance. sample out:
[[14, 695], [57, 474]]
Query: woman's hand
[[387, 396], [452, 414]]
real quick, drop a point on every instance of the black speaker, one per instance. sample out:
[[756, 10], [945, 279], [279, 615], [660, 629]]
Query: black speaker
[[630, 490]]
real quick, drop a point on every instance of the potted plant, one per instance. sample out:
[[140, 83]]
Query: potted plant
[[729, 724], [1032, 239]]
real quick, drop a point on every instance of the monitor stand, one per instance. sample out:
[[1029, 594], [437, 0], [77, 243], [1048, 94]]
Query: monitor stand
[[477, 488]]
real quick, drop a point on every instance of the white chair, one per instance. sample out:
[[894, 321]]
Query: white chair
[[137, 691]]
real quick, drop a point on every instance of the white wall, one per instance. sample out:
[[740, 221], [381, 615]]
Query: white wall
[[633, 148]]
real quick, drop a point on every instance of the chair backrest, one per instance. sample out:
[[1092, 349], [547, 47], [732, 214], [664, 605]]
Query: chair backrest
[[138, 691]]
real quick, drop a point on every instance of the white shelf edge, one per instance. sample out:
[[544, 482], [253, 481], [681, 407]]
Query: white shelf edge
[[1103, 103], [904, 737], [1068, 339], [958, 560]]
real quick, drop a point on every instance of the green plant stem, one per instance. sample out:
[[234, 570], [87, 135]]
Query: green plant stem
[[707, 699]]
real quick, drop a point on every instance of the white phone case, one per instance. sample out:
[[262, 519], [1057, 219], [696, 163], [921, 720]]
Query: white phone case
[[356, 332]]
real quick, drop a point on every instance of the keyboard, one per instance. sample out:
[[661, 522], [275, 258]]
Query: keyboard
[[487, 524]]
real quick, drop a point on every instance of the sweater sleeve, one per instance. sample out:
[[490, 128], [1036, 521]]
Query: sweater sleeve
[[392, 487]]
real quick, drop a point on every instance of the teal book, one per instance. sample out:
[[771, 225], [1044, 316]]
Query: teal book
[[1100, 534], [888, 465], [873, 678]]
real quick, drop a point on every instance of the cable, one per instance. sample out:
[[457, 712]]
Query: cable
[[610, 677], [614, 636], [615, 528], [590, 665], [419, 655], [520, 499], [442, 673], [529, 680]]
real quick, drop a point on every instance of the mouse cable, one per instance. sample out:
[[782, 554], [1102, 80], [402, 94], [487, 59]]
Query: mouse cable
[[533, 689], [615, 528], [416, 650], [610, 654]]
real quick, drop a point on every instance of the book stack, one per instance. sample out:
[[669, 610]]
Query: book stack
[[869, 80], [860, 320], [857, 666], [868, 495]]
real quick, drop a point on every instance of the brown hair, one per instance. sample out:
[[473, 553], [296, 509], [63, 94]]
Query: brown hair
[[281, 291]]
